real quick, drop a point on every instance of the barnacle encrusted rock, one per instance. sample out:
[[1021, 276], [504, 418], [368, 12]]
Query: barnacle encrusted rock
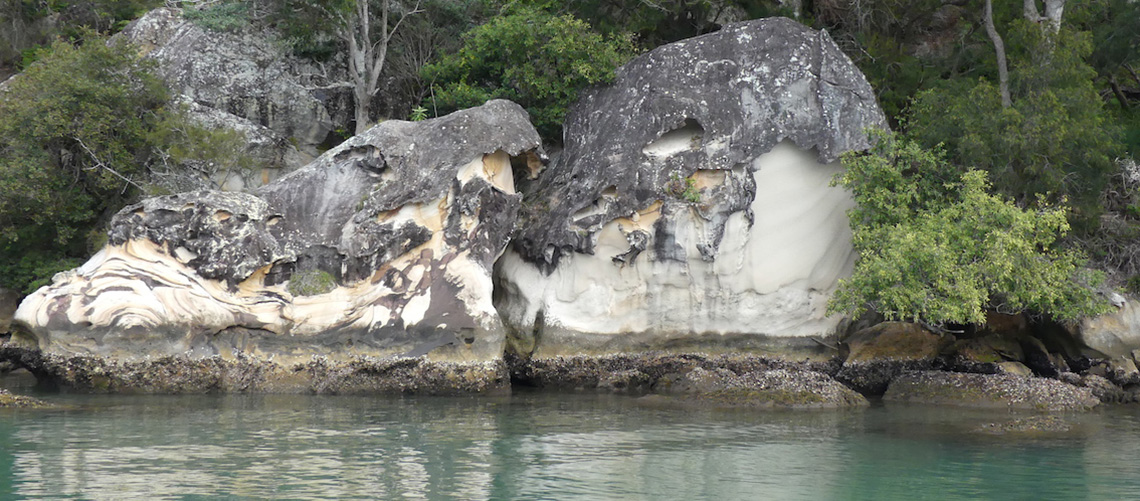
[[382, 248], [989, 391], [691, 209]]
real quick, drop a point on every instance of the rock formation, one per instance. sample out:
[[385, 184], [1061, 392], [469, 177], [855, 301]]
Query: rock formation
[[246, 76], [691, 209], [382, 247]]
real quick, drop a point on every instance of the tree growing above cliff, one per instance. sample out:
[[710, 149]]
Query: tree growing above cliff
[[936, 246], [1053, 138], [72, 146], [534, 58]]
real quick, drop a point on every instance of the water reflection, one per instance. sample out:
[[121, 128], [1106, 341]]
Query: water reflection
[[541, 446]]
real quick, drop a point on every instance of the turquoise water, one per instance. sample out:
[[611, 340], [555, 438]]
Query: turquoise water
[[544, 446]]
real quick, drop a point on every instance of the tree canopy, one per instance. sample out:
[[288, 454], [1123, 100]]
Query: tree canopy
[[532, 57]]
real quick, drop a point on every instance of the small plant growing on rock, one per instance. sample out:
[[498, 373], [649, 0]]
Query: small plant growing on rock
[[226, 17], [684, 188], [311, 283]]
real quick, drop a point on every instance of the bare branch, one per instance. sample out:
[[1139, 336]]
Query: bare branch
[[101, 164]]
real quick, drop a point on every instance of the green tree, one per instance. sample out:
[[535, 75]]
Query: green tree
[[1054, 138], [942, 249], [73, 138], [537, 59], [85, 129]]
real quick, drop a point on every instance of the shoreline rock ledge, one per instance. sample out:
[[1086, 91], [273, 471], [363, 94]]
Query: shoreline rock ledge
[[367, 270]]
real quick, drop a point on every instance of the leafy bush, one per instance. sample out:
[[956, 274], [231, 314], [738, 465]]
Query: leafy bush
[[532, 57], [684, 188], [945, 252], [73, 138], [84, 130], [226, 17]]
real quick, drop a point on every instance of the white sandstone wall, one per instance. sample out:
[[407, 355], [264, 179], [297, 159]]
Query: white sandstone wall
[[771, 279]]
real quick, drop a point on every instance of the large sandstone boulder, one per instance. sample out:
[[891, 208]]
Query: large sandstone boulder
[[383, 247], [242, 74], [691, 209], [1115, 334]]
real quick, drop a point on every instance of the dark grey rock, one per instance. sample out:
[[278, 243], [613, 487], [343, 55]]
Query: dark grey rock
[[777, 388], [244, 74], [1104, 389], [8, 400]]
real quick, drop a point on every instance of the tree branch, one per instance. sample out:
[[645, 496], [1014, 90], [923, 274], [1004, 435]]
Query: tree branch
[[100, 164]]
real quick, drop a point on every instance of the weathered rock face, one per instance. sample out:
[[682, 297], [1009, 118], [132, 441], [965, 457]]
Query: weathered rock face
[[382, 247], [273, 154], [691, 208], [240, 74]]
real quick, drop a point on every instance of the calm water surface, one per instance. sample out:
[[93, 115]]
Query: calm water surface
[[543, 446]]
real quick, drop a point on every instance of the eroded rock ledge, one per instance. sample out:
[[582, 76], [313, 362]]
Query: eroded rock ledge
[[380, 249]]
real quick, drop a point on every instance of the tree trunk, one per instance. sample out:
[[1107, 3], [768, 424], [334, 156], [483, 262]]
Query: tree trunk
[[999, 47], [1054, 9], [1119, 94]]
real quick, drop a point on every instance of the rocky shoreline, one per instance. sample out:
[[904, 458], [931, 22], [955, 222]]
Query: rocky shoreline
[[683, 243], [723, 380]]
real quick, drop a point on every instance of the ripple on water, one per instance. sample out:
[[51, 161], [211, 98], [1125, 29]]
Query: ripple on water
[[543, 446]]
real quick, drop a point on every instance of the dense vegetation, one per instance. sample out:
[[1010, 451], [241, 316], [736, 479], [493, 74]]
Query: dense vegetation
[[85, 130], [938, 246], [995, 158], [530, 56]]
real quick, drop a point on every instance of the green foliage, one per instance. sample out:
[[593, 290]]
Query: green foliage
[[944, 252], [532, 57], [657, 22], [32, 271], [1055, 140], [684, 188], [189, 156], [419, 114], [311, 283], [74, 132], [226, 17], [84, 129]]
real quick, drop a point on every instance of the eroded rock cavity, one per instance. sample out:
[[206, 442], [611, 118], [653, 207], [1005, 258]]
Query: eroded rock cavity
[[691, 208]]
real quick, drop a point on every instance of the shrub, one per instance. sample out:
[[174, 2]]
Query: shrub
[[226, 17], [944, 252], [311, 283], [532, 57]]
